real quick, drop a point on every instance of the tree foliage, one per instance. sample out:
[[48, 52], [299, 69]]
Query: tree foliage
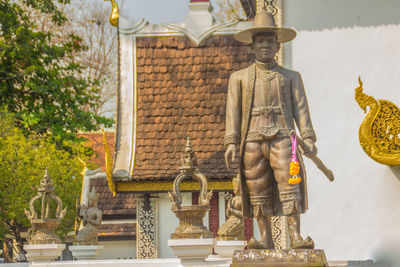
[[90, 20], [40, 77], [23, 160], [228, 10]]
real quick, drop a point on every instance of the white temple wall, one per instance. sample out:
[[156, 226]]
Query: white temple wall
[[357, 216], [121, 249]]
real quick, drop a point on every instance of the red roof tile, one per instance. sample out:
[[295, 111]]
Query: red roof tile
[[181, 92], [122, 205], [95, 141]]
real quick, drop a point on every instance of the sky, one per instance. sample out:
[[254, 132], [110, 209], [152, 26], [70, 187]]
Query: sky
[[154, 11]]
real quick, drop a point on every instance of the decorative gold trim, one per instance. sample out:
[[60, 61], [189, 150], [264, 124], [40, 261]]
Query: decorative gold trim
[[83, 172], [109, 165], [157, 186], [379, 132]]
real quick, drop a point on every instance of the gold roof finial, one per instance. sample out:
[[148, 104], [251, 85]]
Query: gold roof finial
[[114, 17]]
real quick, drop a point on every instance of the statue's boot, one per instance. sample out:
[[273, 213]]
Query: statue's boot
[[299, 243], [296, 241], [254, 244], [265, 242]]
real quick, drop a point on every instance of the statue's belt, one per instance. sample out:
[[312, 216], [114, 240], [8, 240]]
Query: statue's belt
[[268, 132], [265, 111]]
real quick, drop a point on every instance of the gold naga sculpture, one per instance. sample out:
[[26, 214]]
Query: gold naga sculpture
[[114, 13], [109, 165], [379, 132]]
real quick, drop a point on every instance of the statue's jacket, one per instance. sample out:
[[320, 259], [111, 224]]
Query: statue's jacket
[[293, 107]]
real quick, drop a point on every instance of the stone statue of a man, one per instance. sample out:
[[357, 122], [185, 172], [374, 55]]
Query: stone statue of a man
[[265, 101]]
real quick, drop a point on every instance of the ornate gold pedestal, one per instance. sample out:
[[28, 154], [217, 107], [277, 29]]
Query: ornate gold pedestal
[[43, 231], [191, 222], [279, 258]]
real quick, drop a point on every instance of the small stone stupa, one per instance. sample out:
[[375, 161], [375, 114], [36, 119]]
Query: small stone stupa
[[43, 227], [44, 244], [190, 217], [191, 242]]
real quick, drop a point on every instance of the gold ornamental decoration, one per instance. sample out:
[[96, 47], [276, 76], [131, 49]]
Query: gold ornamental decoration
[[160, 186], [379, 132]]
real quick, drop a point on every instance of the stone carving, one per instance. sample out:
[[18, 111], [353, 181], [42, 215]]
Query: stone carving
[[265, 102], [233, 228], [190, 217], [43, 227], [279, 232], [379, 132], [91, 220], [147, 228], [283, 257]]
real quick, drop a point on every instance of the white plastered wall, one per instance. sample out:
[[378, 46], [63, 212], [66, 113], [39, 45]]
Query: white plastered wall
[[122, 249], [357, 216]]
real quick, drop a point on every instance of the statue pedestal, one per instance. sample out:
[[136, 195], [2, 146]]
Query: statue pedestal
[[43, 252], [225, 248], [279, 257], [191, 251], [85, 252]]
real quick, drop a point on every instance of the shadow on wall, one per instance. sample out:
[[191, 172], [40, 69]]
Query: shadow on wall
[[387, 255], [396, 171]]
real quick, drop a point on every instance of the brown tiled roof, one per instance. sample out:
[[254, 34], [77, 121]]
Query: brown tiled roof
[[181, 92], [249, 7], [95, 141], [122, 205], [126, 230]]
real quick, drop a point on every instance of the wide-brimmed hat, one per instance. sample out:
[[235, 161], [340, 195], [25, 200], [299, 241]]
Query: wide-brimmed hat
[[264, 22]]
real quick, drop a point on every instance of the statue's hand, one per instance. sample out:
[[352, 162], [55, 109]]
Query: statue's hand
[[311, 147], [230, 155]]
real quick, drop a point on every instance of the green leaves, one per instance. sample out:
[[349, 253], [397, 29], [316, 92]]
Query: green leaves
[[40, 79], [23, 160]]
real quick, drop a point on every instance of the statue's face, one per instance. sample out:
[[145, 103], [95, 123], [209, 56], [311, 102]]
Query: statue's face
[[236, 187], [92, 202], [265, 47]]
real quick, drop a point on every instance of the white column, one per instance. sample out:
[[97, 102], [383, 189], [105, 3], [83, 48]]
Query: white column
[[221, 207]]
